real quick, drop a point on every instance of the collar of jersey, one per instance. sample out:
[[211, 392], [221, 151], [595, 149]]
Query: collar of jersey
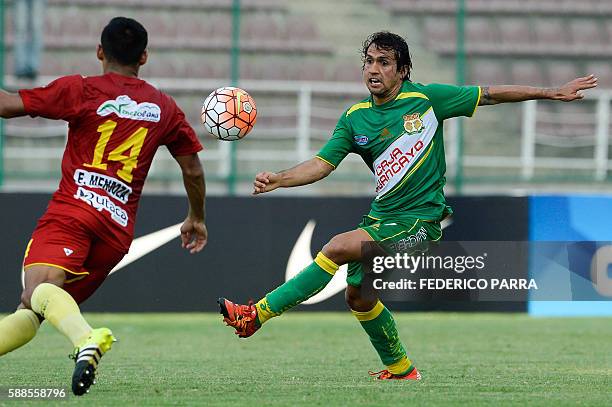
[[385, 105], [124, 77]]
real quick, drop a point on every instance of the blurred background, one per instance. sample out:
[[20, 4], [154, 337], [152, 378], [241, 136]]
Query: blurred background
[[301, 63]]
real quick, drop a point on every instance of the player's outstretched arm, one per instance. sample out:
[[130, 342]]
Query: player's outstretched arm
[[11, 105], [194, 234], [492, 95], [302, 174]]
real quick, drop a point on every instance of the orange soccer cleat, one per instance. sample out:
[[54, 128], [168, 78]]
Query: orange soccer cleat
[[387, 375], [243, 318]]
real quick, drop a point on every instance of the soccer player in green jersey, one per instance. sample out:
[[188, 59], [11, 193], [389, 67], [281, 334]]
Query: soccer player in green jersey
[[398, 133]]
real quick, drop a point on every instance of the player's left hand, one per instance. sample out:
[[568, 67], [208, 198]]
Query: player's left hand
[[572, 90], [194, 235]]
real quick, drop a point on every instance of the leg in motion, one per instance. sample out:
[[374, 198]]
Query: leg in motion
[[247, 319], [45, 296], [17, 329], [380, 326]]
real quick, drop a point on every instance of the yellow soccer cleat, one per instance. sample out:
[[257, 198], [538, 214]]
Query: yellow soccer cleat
[[86, 358]]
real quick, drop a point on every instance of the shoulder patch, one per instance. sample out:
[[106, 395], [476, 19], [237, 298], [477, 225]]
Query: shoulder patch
[[406, 95], [357, 106]]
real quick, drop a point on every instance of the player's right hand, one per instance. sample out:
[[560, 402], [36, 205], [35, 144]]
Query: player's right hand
[[572, 90], [194, 235], [266, 182]]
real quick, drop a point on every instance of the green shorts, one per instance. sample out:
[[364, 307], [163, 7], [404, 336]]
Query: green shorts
[[394, 235]]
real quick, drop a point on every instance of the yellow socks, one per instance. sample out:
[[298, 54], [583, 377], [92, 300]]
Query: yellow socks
[[17, 329], [56, 306], [264, 312], [60, 309]]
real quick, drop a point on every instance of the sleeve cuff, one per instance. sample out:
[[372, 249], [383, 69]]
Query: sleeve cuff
[[325, 161], [25, 98], [187, 151], [477, 101]]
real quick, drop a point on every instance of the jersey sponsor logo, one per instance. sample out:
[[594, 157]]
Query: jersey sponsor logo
[[112, 186], [68, 251], [127, 108], [398, 160], [361, 139], [401, 155], [101, 203], [413, 123]]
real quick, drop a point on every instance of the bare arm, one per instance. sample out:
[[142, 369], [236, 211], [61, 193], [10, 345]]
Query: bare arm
[[302, 174], [11, 105], [194, 234], [492, 95]]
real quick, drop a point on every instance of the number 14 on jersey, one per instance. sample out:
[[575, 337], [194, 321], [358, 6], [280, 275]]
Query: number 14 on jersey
[[133, 144]]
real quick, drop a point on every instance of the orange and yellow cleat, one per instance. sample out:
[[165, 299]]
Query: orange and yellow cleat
[[387, 375], [243, 318]]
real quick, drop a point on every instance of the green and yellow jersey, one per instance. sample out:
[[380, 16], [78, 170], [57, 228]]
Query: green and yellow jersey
[[401, 142]]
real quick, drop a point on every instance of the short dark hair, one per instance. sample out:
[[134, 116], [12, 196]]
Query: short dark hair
[[124, 40], [389, 41]]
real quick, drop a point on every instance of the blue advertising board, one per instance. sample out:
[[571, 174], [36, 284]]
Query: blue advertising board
[[579, 264]]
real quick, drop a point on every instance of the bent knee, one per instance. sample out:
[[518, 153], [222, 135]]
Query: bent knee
[[28, 292], [351, 297], [359, 301], [337, 250], [26, 298]]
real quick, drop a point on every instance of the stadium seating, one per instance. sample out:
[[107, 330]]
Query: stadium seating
[[514, 32], [527, 73], [603, 70], [560, 72], [503, 7], [207, 5], [488, 72], [542, 42]]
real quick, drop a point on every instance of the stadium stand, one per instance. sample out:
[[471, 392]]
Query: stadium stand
[[210, 5], [299, 44], [503, 7]]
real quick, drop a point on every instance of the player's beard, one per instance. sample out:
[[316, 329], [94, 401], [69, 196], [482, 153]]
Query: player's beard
[[378, 91], [383, 92]]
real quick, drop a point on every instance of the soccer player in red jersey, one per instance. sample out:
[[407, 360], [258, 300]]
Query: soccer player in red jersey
[[116, 123]]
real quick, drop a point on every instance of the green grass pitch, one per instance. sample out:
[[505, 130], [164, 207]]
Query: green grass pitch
[[324, 358]]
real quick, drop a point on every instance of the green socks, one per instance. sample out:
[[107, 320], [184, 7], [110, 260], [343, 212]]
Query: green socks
[[380, 327], [307, 283]]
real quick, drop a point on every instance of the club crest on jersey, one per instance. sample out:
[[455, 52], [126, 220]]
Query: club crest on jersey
[[413, 123], [361, 140], [127, 108]]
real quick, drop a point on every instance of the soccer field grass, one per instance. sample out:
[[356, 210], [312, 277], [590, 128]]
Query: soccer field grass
[[324, 358]]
